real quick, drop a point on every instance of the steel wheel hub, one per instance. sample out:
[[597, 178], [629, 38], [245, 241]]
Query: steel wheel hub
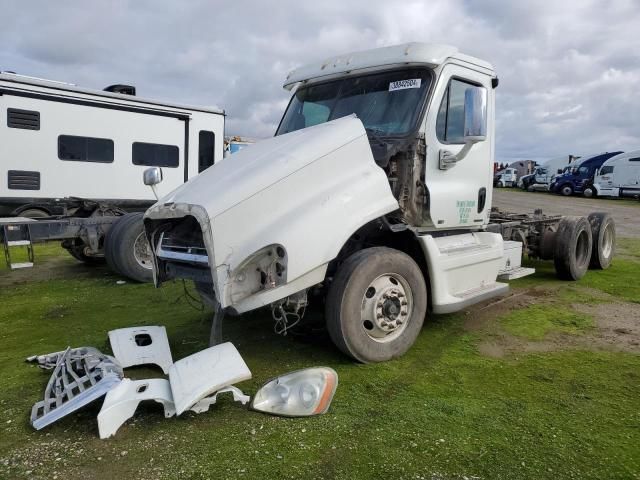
[[142, 252], [386, 307]]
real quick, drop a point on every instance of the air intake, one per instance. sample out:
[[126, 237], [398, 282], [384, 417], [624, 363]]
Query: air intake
[[123, 89], [27, 119], [23, 180]]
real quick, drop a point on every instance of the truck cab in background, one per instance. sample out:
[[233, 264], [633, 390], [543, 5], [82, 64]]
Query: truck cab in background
[[619, 176], [580, 177], [373, 199], [507, 177]]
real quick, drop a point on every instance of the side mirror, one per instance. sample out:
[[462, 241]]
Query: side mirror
[[152, 177], [475, 125], [475, 114]]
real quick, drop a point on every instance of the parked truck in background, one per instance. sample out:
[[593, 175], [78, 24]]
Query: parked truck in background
[[579, 179], [619, 176], [373, 199], [507, 177], [72, 164]]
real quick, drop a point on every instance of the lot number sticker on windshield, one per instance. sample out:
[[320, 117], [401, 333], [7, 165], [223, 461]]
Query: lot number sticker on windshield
[[404, 84]]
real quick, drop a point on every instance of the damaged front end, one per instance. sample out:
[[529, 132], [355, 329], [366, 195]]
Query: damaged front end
[[264, 224]]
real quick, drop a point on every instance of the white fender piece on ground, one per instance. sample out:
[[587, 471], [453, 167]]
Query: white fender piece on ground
[[141, 346], [122, 401], [199, 375], [204, 404]]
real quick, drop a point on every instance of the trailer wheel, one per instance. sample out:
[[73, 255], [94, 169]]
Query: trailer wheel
[[127, 250], [566, 190], [376, 304], [33, 213], [572, 251], [603, 231]]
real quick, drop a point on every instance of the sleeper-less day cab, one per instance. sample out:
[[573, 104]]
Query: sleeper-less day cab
[[374, 195]]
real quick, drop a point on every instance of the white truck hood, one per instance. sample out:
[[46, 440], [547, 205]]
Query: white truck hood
[[307, 191], [262, 164]]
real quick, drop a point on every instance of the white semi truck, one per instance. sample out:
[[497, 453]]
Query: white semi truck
[[373, 198]]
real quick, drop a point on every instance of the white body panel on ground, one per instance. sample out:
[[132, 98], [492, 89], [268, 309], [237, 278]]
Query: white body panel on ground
[[195, 377], [141, 346]]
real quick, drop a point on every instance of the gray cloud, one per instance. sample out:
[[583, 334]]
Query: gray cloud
[[569, 73]]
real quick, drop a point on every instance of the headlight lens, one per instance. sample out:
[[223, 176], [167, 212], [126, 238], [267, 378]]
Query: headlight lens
[[298, 394]]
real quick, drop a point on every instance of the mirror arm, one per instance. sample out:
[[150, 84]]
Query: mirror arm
[[155, 192], [448, 159]]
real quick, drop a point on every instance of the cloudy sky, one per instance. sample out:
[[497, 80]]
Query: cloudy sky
[[569, 71]]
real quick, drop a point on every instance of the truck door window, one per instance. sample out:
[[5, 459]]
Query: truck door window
[[450, 121], [206, 144]]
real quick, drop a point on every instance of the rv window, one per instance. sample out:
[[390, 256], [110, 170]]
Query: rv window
[[606, 169], [27, 119], [155, 155], [85, 149], [205, 150], [450, 121]]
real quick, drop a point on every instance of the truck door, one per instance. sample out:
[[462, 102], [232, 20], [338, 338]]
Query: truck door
[[461, 195]]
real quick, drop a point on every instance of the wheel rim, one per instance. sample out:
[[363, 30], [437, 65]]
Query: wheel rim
[[387, 306], [582, 248], [607, 241], [588, 192], [142, 252], [566, 190]]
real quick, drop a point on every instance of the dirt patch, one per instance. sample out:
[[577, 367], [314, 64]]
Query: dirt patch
[[617, 325], [481, 316], [57, 268]]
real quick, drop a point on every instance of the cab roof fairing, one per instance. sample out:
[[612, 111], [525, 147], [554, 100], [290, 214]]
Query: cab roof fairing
[[430, 55]]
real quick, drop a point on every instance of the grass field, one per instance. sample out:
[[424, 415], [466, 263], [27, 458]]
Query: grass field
[[545, 384]]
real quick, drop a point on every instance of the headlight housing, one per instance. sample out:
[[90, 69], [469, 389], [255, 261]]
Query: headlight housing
[[297, 394]]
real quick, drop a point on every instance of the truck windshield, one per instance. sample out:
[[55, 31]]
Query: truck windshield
[[387, 103]]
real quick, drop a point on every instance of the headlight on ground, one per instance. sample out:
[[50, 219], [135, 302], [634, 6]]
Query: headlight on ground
[[298, 394]]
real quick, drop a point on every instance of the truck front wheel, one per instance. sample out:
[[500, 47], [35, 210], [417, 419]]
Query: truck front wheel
[[566, 190], [376, 304]]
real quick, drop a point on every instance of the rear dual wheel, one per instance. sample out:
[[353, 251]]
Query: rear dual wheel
[[376, 305]]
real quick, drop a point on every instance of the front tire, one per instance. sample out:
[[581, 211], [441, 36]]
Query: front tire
[[376, 305], [566, 190], [589, 192]]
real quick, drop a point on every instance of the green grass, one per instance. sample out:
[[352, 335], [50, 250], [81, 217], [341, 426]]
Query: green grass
[[536, 321], [442, 411]]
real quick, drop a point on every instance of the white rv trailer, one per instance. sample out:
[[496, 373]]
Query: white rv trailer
[[58, 141], [619, 176], [77, 156]]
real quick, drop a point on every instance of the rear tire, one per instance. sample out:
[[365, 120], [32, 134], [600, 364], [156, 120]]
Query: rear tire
[[603, 231], [572, 250], [127, 250], [376, 305]]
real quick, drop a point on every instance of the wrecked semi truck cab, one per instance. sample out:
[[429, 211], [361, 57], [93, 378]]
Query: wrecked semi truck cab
[[373, 197]]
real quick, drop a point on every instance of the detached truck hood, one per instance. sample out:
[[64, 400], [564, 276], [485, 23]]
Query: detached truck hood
[[307, 192]]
